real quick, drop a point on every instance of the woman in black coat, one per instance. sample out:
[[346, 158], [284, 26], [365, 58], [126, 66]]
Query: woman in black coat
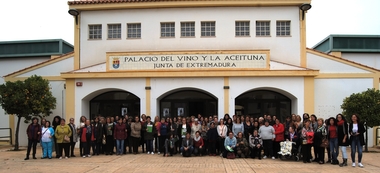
[[356, 130], [342, 137]]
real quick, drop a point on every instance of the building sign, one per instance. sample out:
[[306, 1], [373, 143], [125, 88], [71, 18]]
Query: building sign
[[188, 61]]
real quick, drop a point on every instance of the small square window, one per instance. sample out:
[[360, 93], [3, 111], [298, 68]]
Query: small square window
[[95, 32], [283, 28], [114, 31], [242, 28], [134, 30], [168, 29], [187, 29], [207, 29], [262, 28]]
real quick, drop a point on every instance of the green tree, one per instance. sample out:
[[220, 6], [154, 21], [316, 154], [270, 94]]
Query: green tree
[[26, 99], [367, 105]]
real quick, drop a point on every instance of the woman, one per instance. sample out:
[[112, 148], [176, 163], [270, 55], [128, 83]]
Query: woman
[[229, 143], [319, 136], [82, 123], [162, 132], [135, 134], [267, 133], [342, 137], [43, 122], [204, 130], [120, 133], [212, 136], [109, 130], [307, 141], [356, 130], [256, 144], [183, 129], [55, 123], [47, 140], [229, 125], [332, 134], [142, 139], [73, 138], [242, 147], [63, 132], [314, 126], [198, 144], [222, 133], [86, 138], [248, 128], [155, 135], [237, 127], [187, 146], [279, 137], [34, 134], [195, 127], [149, 129], [98, 127], [226, 117]]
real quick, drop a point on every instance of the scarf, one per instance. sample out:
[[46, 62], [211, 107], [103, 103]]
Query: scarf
[[197, 138], [340, 123]]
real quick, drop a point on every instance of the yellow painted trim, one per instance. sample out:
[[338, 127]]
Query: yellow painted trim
[[50, 78], [12, 126], [189, 73], [345, 75], [70, 99], [226, 96], [303, 60], [187, 4], [309, 95], [376, 82], [77, 44], [337, 54], [35, 67], [147, 99], [341, 60]]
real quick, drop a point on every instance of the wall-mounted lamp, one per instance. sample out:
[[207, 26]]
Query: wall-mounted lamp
[[304, 8], [74, 12]]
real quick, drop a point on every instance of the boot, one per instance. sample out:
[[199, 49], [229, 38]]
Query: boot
[[344, 162]]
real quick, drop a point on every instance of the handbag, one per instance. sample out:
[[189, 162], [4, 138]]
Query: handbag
[[230, 155], [325, 143], [104, 141], [66, 138]]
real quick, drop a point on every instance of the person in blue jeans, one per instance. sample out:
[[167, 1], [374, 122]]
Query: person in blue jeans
[[187, 146], [356, 130], [47, 140], [332, 134], [230, 141]]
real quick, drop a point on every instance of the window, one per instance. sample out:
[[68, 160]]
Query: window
[[283, 28], [134, 30], [167, 30], [241, 28], [207, 29], [262, 28], [95, 32], [114, 31], [187, 29]]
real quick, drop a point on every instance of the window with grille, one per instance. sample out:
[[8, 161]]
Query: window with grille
[[187, 29], [94, 32], [242, 28], [114, 31], [283, 28], [207, 29], [168, 29], [134, 30], [262, 28]]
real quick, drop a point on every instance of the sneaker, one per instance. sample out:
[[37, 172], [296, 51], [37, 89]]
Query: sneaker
[[66, 157], [361, 165], [273, 158], [148, 152], [84, 156], [353, 165], [264, 157], [60, 158], [88, 155], [158, 153], [152, 153]]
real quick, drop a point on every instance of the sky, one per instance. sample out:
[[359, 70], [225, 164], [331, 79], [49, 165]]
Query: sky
[[49, 19]]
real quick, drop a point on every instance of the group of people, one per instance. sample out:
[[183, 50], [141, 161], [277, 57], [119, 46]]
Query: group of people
[[239, 136]]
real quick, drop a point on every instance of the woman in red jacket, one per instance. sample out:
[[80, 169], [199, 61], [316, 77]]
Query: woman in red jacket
[[198, 144], [279, 132], [86, 137], [120, 134]]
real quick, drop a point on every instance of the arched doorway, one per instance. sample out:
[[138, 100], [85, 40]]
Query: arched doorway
[[188, 102], [115, 103], [257, 103]]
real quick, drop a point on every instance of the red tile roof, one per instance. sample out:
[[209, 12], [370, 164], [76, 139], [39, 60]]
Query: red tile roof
[[82, 2], [41, 63]]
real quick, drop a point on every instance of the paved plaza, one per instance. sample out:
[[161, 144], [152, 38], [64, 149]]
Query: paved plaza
[[13, 162]]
